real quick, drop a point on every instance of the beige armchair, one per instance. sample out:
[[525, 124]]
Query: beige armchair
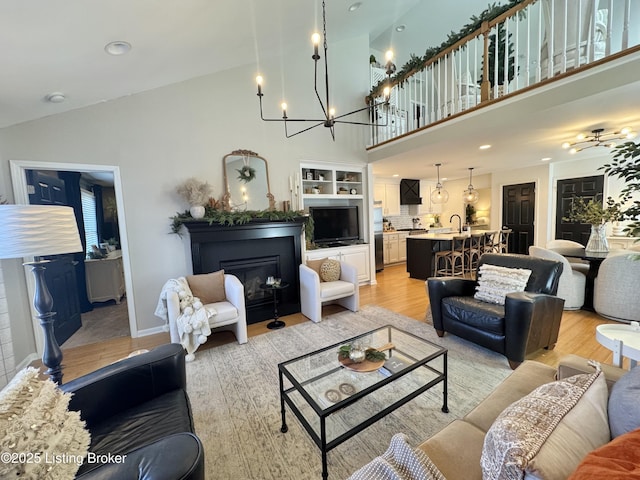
[[581, 266], [571, 286], [616, 287], [230, 313], [314, 292]]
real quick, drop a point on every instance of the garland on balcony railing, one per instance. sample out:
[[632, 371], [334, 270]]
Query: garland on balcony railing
[[417, 63]]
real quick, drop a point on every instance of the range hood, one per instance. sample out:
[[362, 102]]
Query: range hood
[[410, 192]]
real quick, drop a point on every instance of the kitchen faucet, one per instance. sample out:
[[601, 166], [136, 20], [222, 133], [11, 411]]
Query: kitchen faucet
[[459, 221]]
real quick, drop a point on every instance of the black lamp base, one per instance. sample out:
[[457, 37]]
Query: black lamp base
[[43, 303]]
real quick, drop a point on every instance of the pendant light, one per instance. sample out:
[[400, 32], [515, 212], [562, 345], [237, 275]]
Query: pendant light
[[439, 195], [470, 195]]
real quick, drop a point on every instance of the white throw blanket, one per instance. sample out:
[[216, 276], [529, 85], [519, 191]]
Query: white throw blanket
[[193, 322]]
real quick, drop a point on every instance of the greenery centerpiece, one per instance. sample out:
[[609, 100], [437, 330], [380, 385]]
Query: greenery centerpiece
[[595, 213]]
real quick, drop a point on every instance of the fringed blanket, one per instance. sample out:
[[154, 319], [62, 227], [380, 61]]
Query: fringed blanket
[[193, 322]]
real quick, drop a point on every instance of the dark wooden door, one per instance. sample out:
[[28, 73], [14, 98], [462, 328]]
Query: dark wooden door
[[60, 273], [586, 187], [518, 204]]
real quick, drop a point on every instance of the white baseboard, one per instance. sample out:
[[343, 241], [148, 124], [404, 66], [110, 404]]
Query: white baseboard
[[27, 361], [152, 331]]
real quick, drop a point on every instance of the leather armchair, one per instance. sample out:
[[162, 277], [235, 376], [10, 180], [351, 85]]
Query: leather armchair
[[139, 407], [528, 321]]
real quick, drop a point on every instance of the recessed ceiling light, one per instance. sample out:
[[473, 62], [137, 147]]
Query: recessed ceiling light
[[395, 175], [55, 97], [400, 28], [484, 147], [354, 6], [545, 159], [117, 48]]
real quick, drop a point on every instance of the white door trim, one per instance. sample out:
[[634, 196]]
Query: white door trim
[[21, 195]]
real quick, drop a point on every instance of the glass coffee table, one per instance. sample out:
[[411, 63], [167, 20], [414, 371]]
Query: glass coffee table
[[333, 401]]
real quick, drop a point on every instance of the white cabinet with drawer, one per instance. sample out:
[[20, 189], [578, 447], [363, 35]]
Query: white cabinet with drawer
[[356, 255]]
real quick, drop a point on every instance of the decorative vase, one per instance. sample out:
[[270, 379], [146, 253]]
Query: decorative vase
[[197, 211], [598, 239]]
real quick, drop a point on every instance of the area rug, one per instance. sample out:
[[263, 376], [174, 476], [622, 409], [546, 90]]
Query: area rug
[[236, 406]]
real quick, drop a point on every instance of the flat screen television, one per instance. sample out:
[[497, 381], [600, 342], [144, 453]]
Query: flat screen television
[[335, 224]]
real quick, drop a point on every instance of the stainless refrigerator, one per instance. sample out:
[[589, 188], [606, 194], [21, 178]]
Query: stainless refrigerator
[[377, 236]]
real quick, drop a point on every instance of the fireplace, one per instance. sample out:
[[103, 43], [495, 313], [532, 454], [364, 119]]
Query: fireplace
[[252, 252]]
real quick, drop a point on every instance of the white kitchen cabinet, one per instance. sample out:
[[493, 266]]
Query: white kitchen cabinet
[[391, 252], [389, 195], [402, 246], [105, 279], [427, 206], [356, 255]]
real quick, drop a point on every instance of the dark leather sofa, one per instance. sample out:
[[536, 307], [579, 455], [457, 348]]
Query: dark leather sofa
[[139, 407], [528, 320]]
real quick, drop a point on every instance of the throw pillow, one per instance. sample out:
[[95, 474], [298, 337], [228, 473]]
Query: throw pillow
[[208, 287], [38, 428], [330, 270], [399, 462], [548, 432], [617, 460], [624, 414], [315, 265], [494, 282]]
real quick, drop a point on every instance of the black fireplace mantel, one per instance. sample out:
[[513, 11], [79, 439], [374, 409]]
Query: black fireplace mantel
[[214, 246]]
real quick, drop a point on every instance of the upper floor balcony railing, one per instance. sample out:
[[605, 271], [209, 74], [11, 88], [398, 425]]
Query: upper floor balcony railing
[[531, 44]]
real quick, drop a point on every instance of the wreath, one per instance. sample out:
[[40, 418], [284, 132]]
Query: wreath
[[246, 173]]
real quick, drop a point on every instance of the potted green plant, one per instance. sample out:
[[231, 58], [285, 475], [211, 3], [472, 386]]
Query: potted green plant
[[596, 214], [626, 165]]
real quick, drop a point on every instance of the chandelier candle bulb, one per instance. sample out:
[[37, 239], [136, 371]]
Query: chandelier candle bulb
[[259, 82], [315, 39], [284, 110]]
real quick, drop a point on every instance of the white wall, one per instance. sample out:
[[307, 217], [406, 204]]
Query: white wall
[[160, 137], [540, 176], [455, 205]]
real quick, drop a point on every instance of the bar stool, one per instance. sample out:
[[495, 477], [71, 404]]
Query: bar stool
[[452, 262], [503, 242], [489, 241], [474, 251]]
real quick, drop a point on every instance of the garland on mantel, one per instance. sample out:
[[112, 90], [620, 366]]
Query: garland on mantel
[[222, 217], [417, 63]]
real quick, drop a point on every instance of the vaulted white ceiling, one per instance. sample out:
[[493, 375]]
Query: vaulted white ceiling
[[58, 46]]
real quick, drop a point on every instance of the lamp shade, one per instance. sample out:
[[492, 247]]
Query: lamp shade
[[37, 230]]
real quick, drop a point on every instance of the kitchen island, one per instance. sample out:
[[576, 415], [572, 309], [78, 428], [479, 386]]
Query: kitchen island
[[421, 250]]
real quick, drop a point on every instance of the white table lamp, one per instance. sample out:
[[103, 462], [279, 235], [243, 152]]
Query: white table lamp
[[39, 230]]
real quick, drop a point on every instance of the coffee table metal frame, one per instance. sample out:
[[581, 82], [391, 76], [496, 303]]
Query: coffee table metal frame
[[298, 387]]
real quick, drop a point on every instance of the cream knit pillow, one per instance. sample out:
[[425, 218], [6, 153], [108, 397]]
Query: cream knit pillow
[[40, 437]]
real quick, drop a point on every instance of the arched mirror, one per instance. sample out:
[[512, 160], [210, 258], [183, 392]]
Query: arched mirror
[[247, 179]]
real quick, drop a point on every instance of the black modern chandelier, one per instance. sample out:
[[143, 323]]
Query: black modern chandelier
[[329, 114], [598, 138]]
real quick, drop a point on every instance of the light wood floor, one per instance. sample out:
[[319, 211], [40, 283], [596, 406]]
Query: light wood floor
[[394, 291]]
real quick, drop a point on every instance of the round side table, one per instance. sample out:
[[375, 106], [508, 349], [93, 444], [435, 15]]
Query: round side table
[[275, 324], [622, 340]]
